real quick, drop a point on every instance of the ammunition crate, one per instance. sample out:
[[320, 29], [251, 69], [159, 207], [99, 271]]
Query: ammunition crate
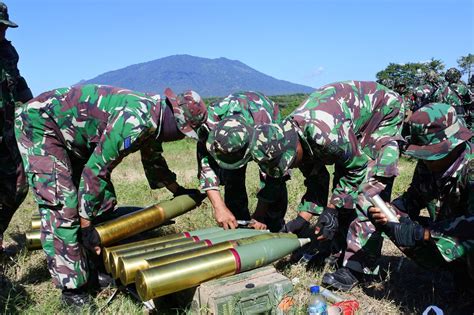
[[259, 291]]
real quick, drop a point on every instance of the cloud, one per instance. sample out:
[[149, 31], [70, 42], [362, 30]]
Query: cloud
[[314, 73]]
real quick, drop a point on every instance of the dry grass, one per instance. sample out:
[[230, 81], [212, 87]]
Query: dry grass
[[25, 285]]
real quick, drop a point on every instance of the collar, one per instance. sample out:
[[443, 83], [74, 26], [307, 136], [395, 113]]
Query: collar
[[455, 168], [304, 142]]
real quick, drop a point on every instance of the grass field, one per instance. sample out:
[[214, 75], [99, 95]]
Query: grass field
[[25, 285]]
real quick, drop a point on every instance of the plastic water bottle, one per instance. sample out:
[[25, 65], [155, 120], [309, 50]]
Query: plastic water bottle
[[317, 304]]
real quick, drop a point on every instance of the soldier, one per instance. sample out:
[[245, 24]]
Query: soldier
[[70, 140], [424, 94], [13, 187], [456, 94], [443, 183], [356, 126], [223, 154]]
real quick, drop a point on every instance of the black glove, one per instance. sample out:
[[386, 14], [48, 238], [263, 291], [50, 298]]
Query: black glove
[[90, 238], [296, 225], [406, 233], [186, 191], [328, 223]]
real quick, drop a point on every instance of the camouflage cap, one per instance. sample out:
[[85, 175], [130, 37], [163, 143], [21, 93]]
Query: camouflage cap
[[452, 75], [273, 147], [435, 130], [189, 110], [228, 142], [4, 19], [431, 76]]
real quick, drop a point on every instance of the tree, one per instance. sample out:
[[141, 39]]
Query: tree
[[410, 73], [466, 63]]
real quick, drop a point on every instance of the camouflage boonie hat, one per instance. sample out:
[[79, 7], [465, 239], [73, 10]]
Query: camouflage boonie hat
[[228, 143], [4, 19], [189, 110], [452, 75], [435, 130], [273, 147], [431, 76]]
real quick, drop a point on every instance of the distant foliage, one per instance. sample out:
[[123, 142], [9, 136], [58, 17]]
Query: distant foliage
[[411, 74], [466, 63], [287, 103]]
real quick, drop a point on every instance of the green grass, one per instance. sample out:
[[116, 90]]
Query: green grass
[[26, 285]]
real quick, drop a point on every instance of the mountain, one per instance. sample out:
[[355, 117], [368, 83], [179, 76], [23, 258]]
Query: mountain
[[208, 77]]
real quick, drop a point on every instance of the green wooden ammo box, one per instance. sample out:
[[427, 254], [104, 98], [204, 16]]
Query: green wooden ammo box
[[258, 291]]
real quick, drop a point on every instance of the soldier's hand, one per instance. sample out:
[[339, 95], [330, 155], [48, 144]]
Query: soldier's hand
[[257, 225], [225, 218], [90, 239], [327, 224], [377, 216], [296, 225], [406, 233]]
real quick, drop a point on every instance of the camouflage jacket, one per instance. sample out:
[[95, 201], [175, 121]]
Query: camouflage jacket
[[13, 86], [101, 125], [254, 107], [449, 199], [456, 95], [348, 124]]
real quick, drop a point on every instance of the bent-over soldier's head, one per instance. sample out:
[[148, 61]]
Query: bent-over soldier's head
[[275, 148], [435, 133], [4, 18], [229, 142], [189, 110]]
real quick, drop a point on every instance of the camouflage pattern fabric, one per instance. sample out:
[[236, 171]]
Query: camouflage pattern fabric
[[70, 140], [435, 130], [189, 111], [253, 108], [423, 95], [346, 124], [449, 198], [354, 125], [13, 184], [457, 95], [248, 109]]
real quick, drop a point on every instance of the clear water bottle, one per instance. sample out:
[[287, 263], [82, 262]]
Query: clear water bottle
[[317, 304]]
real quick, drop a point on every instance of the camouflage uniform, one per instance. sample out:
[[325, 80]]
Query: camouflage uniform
[[248, 109], [456, 94], [354, 125], [70, 140], [448, 196], [13, 187], [423, 95]]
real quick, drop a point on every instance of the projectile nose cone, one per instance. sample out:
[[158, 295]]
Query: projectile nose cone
[[304, 241]]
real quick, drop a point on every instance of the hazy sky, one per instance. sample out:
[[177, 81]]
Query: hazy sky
[[309, 42]]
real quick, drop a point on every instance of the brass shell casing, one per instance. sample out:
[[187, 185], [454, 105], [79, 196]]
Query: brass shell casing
[[162, 239], [162, 280], [35, 224], [33, 239], [128, 266], [143, 220], [115, 255], [168, 259]]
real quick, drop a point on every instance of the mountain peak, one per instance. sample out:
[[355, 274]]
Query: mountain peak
[[209, 77]]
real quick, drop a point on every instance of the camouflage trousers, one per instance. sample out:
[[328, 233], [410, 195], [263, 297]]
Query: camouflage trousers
[[54, 177], [13, 185], [236, 198], [363, 243]]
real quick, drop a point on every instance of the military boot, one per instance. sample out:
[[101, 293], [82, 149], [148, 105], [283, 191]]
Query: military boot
[[342, 279], [76, 299]]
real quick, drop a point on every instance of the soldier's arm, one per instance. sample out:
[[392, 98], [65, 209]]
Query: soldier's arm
[[156, 169], [96, 193], [207, 169], [351, 163], [413, 200]]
